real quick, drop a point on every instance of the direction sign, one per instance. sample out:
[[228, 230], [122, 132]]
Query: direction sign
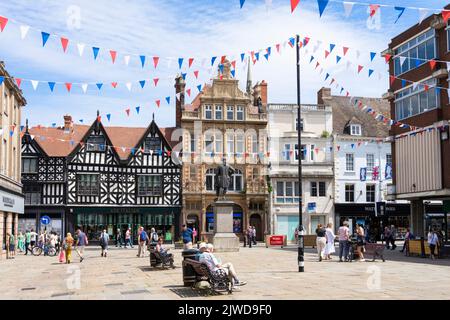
[[45, 220]]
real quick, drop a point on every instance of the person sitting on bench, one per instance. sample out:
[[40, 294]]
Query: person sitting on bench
[[207, 256], [163, 252]]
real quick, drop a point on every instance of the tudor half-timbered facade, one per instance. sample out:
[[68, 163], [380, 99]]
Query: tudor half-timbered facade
[[100, 177]]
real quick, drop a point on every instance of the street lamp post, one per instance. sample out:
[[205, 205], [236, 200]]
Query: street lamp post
[[301, 247]]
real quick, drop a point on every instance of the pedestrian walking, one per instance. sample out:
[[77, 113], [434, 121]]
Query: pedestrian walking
[[67, 245], [433, 242], [118, 238], [12, 246], [153, 236], [27, 241], [249, 234], [321, 240], [392, 237], [82, 241], [387, 236], [142, 242], [21, 242], [344, 238], [360, 242], [128, 238], [186, 235], [33, 238], [408, 236], [254, 235], [104, 238], [7, 246], [330, 236]]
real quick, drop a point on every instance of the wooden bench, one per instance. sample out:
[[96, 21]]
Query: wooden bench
[[375, 250], [309, 240], [218, 280]]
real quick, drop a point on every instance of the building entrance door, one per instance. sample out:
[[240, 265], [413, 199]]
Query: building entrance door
[[255, 221]]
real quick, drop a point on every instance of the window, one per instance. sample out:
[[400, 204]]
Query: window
[[254, 143], [193, 143], [240, 143], [370, 162], [255, 174], [303, 152], [88, 184], [240, 113], [29, 165], [218, 143], [389, 159], [313, 189], [322, 189], [412, 101], [96, 143], [208, 112], [349, 162], [230, 113], [236, 182], [209, 138], [210, 176], [287, 192], [312, 150], [287, 152], [415, 52], [296, 124], [370, 193], [32, 194], [149, 185], [218, 112], [152, 144], [355, 129], [193, 173], [230, 143], [349, 193]]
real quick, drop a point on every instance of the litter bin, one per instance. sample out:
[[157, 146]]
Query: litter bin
[[188, 272]]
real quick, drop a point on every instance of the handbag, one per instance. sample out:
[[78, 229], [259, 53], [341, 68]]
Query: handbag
[[61, 256]]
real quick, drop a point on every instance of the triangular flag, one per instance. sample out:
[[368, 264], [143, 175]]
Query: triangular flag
[[322, 5], [68, 86], [45, 37], [155, 81], [113, 55], [183, 75], [326, 77], [222, 59], [266, 56], [3, 22], [168, 100], [401, 9], [196, 74], [423, 13], [338, 59], [1, 80], [188, 92], [142, 83], [415, 84], [213, 59], [402, 60], [99, 85], [199, 87], [348, 6], [221, 68], [95, 51], [127, 111], [142, 60], [191, 60], [128, 85], [332, 47], [373, 9], [180, 62], [370, 72], [18, 82], [51, 85], [294, 4], [84, 87], [80, 47], [178, 96], [137, 109], [345, 49], [64, 43], [311, 59], [327, 53], [372, 55], [108, 116], [34, 83], [387, 57], [23, 31], [155, 61], [233, 73], [126, 59], [445, 15], [242, 57], [432, 64], [158, 102], [114, 84], [257, 56], [242, 2]]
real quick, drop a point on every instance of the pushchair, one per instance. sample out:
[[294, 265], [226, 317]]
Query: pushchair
[[352, 248]]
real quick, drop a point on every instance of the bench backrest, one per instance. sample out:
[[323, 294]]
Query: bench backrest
[[199, 267]]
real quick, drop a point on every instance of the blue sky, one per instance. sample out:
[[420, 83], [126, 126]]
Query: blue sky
[[197, 28]]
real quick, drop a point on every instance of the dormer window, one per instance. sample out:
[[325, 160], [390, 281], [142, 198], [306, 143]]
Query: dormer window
[[152, 144], [208, 112], [96, 143], [355, 129]]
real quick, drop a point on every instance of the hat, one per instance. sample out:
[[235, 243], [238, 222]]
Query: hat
[[210, 246], [202, 246]]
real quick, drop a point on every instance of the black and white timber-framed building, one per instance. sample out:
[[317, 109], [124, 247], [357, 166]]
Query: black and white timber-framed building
[[97, 177]]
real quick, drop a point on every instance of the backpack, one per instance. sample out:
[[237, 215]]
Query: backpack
[[143, 236], [154, 237]]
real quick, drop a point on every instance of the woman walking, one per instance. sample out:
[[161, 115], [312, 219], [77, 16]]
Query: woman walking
[[21, 242], [433, 242], [321, 240], [68, 244], [104, 239], [360, 242], [329, 248]]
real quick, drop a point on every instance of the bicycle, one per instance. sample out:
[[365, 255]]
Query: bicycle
[[37, 250]]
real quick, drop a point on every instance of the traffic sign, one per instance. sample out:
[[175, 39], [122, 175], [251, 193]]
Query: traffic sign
[[45, 220]]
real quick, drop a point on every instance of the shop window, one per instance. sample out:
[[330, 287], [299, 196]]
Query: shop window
[[88, 184], [96, 143], [149, 185]]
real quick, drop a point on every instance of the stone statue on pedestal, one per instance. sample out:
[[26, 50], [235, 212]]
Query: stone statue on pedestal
[[222, 179]]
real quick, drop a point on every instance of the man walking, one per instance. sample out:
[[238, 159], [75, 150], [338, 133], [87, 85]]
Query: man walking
[[142, 241], [186, 235], [249, 233], [393, 236], [344, 237], [104, 239], [128, 238], [33, 237], [254, 235], [118, 238], [27, 242], [82, 241]]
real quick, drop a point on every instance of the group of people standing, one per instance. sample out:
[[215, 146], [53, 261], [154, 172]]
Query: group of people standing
[[250, 236]]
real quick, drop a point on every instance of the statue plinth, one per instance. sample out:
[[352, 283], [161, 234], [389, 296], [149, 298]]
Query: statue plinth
[[224, 239]]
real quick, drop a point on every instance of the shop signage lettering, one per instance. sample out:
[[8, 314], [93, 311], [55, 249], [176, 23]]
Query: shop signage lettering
[[8, 202]]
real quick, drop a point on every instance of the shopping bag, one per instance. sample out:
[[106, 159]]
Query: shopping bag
[[61, 256]]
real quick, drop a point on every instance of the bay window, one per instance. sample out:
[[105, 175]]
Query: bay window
[[412, 101]]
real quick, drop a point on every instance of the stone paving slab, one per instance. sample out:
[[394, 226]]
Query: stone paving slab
[[271, 274]]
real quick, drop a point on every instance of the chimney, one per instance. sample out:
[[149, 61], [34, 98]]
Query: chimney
[[323, 95], [180, 85], [67, 122]]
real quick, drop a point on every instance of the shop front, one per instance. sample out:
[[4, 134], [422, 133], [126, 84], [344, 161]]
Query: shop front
[[93, 220], [374, 220], [32, 220], [437, 218]]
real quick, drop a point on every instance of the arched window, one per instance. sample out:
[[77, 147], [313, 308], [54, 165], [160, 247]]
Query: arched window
[[210, 179], [237, 179], [218, 142], [209, 138]]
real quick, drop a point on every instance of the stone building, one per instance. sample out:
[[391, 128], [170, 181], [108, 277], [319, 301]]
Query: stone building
[[223, 121], [11, 198]]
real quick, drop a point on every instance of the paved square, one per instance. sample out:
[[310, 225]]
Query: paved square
[[271, 274]]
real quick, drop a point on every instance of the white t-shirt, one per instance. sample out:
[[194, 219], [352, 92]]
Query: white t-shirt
[[432, 238]]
